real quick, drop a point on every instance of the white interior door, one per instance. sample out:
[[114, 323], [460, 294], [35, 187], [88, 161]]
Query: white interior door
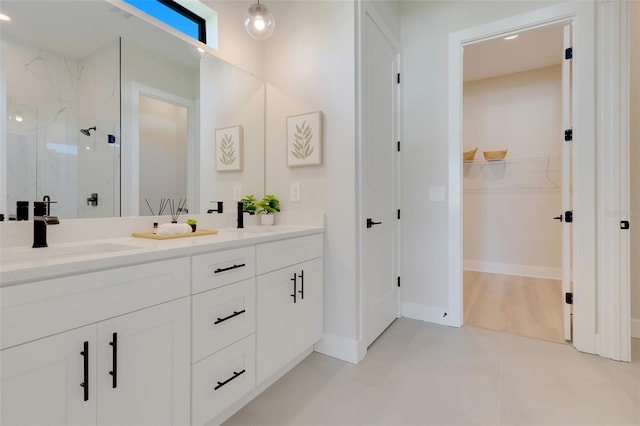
[[379, 154], [567, 166]]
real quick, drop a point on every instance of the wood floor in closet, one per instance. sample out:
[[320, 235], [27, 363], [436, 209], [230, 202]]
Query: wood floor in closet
[[523, 306]]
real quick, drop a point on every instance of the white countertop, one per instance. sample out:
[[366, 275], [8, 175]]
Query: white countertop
[[24, 264]]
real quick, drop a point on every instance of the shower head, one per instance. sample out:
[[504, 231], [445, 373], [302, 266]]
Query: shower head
[[87, 132]]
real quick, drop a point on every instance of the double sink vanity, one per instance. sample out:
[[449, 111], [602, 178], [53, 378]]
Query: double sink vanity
[[134, 331]]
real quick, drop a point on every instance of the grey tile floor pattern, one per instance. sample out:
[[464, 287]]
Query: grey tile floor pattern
[[418, 373]]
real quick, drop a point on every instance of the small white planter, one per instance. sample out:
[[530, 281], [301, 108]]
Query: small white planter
[[267, 219]]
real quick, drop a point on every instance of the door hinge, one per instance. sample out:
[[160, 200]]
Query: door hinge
[[398, 146], [398, 78], [398, 213], [398, 281], [568, 298], [568, 216], [623, 224], [568, 53], [568, 135]]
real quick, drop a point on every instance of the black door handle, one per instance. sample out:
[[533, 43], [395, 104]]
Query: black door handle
[[301, 291], [295, 282], [114, 354], [370, 223], [558, 218], [85, 383]]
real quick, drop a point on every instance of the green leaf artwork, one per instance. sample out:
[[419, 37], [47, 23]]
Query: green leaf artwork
[[227, 152], [302, 148]]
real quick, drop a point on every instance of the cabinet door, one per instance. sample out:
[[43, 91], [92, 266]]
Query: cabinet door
[[308, 311], [151, 363], [275, 311], [41, 381]]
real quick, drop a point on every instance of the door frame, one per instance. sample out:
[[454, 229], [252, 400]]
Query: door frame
[[364, 9], [131, 171], [601, 316], [584, 244]]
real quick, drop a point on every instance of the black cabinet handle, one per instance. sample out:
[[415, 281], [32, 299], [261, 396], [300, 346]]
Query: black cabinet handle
[[235, 375], [370, 223], [294, 279], [301, 291], [85, 383], [217, 271], [114, 354], [234, 314]]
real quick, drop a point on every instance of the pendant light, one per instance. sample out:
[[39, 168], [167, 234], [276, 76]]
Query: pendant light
[[259, 22]]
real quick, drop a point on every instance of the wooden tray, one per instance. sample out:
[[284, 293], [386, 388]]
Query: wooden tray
[[152, 236]]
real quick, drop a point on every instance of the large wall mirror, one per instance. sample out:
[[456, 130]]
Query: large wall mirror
[[108, 114]]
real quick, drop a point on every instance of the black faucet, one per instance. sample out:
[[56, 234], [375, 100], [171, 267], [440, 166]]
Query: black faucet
[[47, 200], [40, 222], [241, 212], [218, 209]]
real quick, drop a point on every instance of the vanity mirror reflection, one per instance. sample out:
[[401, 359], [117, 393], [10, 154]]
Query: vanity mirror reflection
[[96, 100]]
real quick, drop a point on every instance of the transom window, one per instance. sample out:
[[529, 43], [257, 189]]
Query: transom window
[[174, 15]]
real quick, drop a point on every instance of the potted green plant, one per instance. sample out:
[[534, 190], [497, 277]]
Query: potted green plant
[[266, 209], [192, 222]]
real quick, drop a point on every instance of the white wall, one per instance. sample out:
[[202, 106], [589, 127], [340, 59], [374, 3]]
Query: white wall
[[425, 37], [163, 145], [634, 18], [310, 66], [509, 206]]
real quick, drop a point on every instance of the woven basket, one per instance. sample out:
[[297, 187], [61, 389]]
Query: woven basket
[[495, 155], [469, 155]]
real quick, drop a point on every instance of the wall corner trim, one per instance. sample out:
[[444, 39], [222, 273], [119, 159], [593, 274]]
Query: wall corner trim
[[339, 347], [635, 328], [427, 313]]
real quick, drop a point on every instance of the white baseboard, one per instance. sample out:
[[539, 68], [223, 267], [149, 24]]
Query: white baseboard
[[635, 328], [510, 269], [425, 313], [340, 347]]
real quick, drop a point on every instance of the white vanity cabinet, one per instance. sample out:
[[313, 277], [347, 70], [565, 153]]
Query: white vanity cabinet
[[223, 329], [290, 301], [115, 368]]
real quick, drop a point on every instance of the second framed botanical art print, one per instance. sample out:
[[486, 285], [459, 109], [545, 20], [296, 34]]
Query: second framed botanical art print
[[304, 139], [229, 149]]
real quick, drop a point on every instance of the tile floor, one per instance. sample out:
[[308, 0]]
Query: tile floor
[[418, 373]]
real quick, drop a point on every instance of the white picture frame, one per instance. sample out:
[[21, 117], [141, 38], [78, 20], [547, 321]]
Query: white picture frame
[[304, 139], [228, 141]]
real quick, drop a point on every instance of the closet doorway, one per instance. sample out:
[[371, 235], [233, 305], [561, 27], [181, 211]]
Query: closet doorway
[[514, 166]]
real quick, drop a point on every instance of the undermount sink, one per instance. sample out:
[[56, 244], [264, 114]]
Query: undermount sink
[[26, 254]]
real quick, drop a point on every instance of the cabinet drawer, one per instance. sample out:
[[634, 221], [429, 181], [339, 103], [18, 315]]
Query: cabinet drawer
[[280, 254], [213, 270], [222, 316], [221, 379], [35, 310]]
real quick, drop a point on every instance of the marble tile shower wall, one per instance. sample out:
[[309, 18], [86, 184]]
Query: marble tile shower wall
[[42, 104], [50, 97], [98, 160]]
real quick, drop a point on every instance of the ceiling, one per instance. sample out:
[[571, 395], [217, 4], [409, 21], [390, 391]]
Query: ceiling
[[537, 48]]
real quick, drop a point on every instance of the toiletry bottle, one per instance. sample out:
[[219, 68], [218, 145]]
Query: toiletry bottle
[[22, 210], [155, 228]]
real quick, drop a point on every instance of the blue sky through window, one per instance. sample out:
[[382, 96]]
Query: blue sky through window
[[168, 16]]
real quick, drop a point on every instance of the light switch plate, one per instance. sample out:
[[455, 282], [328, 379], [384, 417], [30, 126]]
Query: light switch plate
[[237, 192], [295, 192]]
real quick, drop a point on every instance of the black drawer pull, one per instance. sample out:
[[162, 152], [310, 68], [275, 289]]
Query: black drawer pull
[[295, 282], [235, 375], [217, 271], [114, 361], [85, 383], [301, 291], [234, 314]]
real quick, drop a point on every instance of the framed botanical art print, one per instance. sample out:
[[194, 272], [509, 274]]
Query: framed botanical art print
[[304, 139], [229, 149]]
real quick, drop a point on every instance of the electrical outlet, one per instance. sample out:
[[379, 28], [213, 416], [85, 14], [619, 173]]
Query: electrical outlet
[[237, 192], [295, 192]]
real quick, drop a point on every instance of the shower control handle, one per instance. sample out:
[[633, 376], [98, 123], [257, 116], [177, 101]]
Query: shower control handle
[[93, 200]]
